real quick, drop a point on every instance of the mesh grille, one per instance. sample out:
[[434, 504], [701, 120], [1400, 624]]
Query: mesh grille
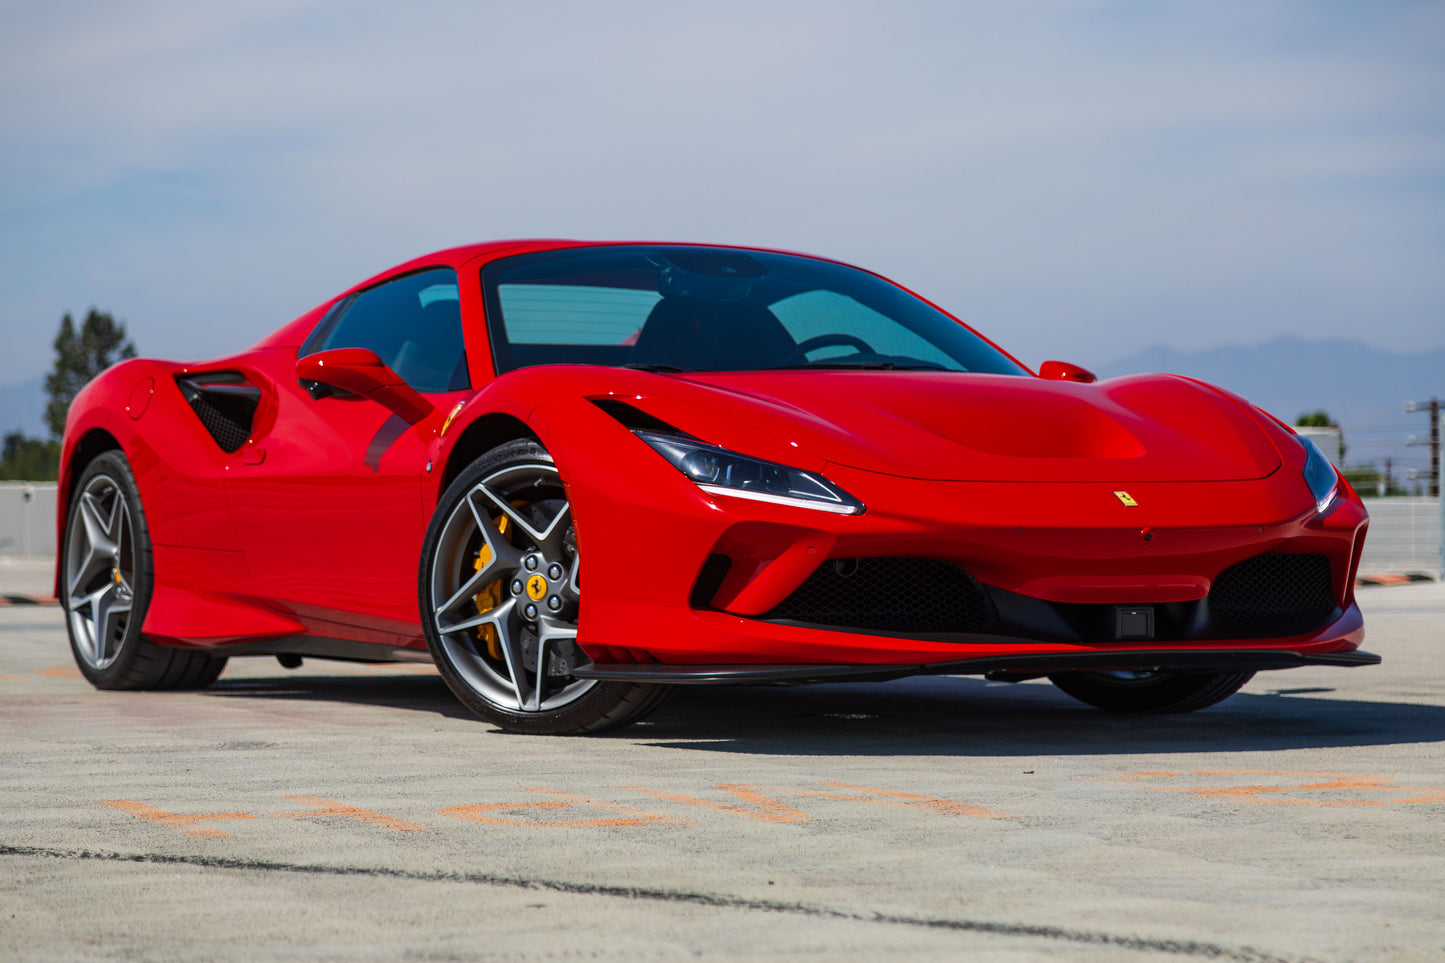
[[228, 420], [1271, 595], [890, 595], [714, 570]]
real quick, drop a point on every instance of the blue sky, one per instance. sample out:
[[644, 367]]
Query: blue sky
[[1077, 179]]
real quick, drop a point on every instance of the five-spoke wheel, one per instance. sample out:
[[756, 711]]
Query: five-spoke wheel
[[100, 571], [106, 586], [500, 595]]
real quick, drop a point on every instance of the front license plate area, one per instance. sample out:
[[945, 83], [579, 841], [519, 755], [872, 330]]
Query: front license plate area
[[1133, 622]]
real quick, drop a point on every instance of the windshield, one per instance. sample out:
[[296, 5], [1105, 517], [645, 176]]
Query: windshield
[[679, 308]]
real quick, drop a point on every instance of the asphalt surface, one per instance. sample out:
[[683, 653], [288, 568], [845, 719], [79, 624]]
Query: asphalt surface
[[349, 811]]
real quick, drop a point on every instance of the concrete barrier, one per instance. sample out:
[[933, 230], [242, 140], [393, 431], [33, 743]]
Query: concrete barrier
[[1404, 532], [27, 518]]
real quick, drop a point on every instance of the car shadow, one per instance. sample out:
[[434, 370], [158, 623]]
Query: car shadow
[[925, 715], [417, 693], [970, 717]]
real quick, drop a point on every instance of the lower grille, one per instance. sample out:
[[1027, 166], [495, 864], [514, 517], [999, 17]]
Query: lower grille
[[1272, 595], [890, 595]]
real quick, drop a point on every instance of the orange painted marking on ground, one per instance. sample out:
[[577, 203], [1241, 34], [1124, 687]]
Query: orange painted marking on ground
[[1333, 782], [330, 807], [174, 820], [13, 678], [61, 671], [767, 809], [1361, 782], [1315, 802], [634, 816], [1222, 790], [1432, 795], [894, 798]]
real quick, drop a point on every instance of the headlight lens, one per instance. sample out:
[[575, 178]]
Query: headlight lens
[[724, 472], [1319, 475]]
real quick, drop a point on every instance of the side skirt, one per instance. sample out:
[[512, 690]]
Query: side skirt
[[341, 650]]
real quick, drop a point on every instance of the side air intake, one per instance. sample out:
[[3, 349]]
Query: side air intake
[[225, 402]]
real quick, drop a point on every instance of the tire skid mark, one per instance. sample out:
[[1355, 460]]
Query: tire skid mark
[[1194, 948]]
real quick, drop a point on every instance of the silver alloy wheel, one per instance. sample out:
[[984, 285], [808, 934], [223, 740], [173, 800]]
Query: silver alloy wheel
[[503, 539], [100, 572]]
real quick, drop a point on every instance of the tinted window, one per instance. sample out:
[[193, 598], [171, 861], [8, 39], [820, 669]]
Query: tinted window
[[716, 309], [574, 313], [414, 324]]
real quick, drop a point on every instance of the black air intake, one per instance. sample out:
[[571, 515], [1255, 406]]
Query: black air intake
[[890, 595], [226, 404], [710, 579], [1272, 595]]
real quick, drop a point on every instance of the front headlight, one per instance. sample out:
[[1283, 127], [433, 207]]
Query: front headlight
[[1319, 475], [722, 472]]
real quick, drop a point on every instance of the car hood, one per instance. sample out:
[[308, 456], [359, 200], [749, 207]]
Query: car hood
[[961, 426]]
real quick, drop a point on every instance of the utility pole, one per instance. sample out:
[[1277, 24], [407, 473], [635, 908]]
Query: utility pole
[[1437, 428], [1433, 407]]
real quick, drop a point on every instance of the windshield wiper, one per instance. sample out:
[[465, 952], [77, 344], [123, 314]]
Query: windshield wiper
[[859, 366], [662, 368]]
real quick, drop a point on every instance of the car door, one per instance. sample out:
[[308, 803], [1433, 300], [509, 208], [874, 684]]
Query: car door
[[329, 504]]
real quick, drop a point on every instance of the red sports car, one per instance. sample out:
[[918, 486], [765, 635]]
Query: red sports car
[[779, 468]]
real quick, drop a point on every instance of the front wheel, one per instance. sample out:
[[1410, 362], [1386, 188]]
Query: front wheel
[[500, 592], [1150, 691], [107, 574]]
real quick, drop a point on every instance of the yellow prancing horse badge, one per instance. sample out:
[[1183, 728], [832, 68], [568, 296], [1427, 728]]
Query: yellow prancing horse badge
[[536, 588], [1127, 499]]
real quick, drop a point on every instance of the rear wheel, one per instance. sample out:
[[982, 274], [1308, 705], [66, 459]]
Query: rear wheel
[[106, 588], [1150, 691], [500, 593]]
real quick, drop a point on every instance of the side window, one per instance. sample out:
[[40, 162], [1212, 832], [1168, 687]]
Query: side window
[[414, 324]]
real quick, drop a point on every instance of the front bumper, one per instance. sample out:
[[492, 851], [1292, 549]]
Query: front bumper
[[646, 533]]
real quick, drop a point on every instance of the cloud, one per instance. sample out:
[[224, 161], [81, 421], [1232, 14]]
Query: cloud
[[1077, 178]]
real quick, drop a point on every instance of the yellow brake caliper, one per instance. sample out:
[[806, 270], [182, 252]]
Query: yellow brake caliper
[[490, 596]]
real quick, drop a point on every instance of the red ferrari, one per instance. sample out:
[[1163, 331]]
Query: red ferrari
[[780, 469]]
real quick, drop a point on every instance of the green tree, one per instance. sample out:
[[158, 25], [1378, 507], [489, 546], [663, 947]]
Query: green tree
[[79, 357], [29, 459]]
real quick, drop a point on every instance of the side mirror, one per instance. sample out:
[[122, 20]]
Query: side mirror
[[359, 371], [1063, 371]]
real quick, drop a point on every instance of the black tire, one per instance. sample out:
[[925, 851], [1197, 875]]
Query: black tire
[[114, 654], [1151, 691], [457, 557]]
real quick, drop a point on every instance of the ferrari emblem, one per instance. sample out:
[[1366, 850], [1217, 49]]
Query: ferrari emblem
[[536, 588], [1127, 499]]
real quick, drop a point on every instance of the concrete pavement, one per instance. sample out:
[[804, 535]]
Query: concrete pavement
[[350, 811]]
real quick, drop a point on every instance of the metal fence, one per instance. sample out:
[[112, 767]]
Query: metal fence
[[27, 518], [1404, 535]]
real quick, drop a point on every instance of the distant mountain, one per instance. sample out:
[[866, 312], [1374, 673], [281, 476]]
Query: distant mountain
[[22, 408], [1363, 388]]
